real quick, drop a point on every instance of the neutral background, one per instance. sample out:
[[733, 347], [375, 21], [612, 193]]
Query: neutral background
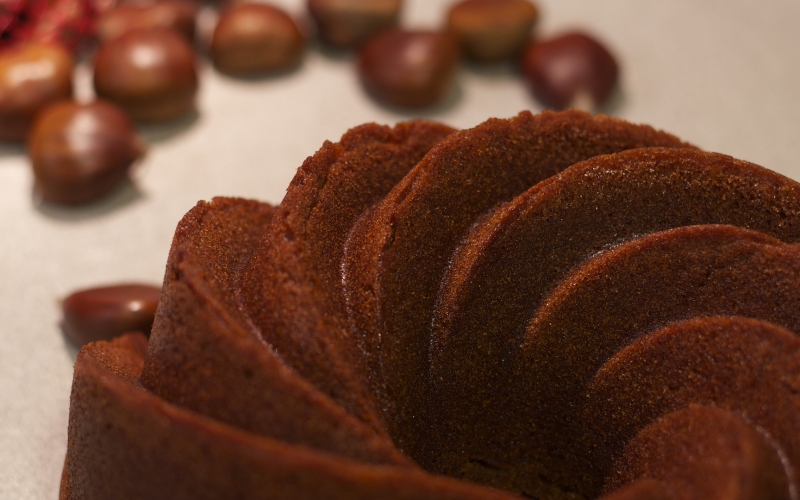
[[722, 74]]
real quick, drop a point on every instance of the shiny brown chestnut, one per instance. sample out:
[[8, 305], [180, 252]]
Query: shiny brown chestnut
[[253, 38], [150, 73], [106, 312], [32, 76], [572, 70], [177, 15], [80, 152], [409, 68], [492, 30], [348, 23]]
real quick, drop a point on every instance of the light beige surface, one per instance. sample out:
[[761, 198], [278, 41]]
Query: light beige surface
[[724, 75]]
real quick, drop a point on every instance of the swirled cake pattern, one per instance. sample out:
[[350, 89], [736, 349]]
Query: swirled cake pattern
[[552, 306]]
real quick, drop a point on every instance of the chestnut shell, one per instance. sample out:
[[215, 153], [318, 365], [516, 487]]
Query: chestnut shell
[[106, 312], [150, 73], [32, 76], [177, 15], [411, 69], [80, 152], [562, 69], [254, 38]]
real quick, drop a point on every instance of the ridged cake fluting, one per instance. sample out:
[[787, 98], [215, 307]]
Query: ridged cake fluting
[[554, 305]]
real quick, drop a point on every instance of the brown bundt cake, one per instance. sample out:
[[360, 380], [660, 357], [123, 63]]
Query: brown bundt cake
[[553, 306]]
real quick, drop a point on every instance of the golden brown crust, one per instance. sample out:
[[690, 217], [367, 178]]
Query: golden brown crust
[[533, 241], [618, 296], [704, 453], [150, 449], [742, 365], [642, 489], [201, 345], [291, 288], [396, 256]]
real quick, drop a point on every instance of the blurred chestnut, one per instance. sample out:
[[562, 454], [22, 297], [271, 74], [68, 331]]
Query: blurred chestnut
[[409, 68], [31, 77], [569, 69], [106, 312], [80, 152], [492, 30], [348, 23], [177, 15], [254, 38], [150, 73]]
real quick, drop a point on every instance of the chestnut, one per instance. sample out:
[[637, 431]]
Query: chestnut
[[570, 69], [254, 38], [408, 68], [492, 30], [150, 73], [80, 152], [348, 23], [103, 313], [177, 15], [32, 76]]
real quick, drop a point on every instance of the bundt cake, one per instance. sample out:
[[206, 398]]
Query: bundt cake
[[556, 306]]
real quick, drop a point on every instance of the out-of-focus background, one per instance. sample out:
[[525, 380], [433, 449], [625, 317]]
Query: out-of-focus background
[[724, 75]]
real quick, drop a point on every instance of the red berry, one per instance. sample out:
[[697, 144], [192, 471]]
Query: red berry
[[66, 22]]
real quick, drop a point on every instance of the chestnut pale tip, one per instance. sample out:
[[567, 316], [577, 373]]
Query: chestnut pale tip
[[569, 70]]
